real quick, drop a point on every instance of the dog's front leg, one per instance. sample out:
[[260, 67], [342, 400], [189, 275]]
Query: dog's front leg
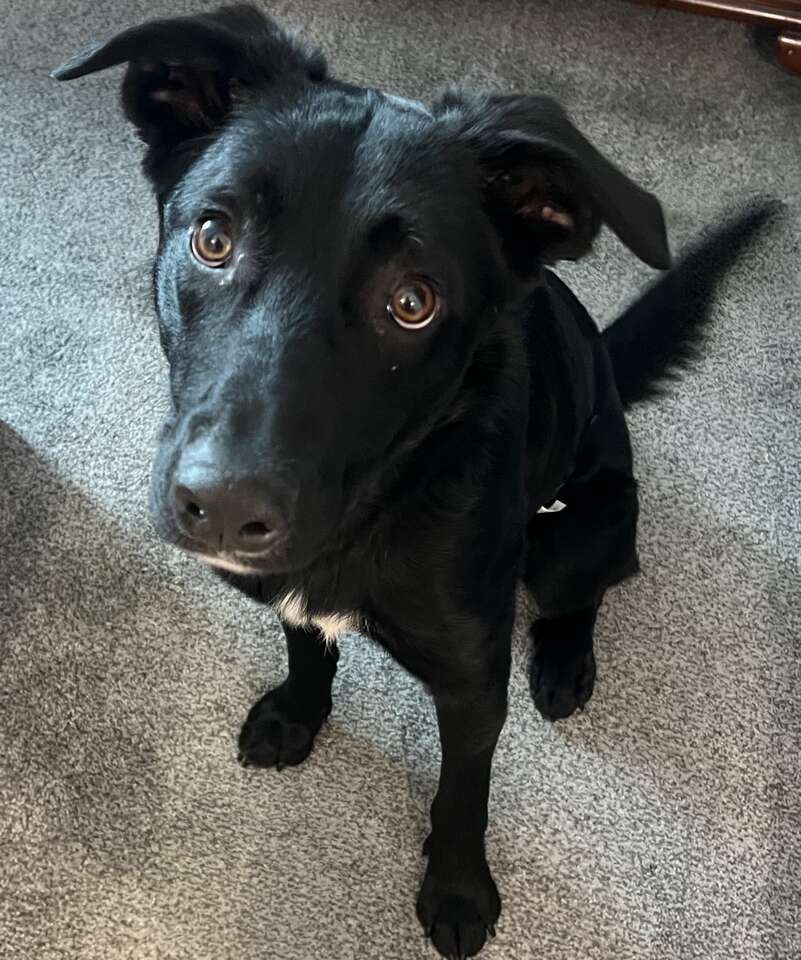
[[458, 902], [281, 727]]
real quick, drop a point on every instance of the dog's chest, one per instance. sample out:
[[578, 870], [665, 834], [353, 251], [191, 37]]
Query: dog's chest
[[293, 609]]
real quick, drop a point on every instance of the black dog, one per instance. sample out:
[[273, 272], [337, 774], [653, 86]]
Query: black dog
[[385, 411]]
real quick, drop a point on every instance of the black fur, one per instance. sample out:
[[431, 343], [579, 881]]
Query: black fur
[[394, 475], [663, 331]]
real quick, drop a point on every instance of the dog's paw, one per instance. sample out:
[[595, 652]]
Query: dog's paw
[[280, 729], [458, 908], [562, 684]]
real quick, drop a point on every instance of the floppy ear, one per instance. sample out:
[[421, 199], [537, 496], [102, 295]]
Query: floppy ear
[[547, 188], [184, 73]]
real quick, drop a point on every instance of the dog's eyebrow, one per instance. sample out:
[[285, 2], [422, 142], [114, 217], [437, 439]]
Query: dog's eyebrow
[[390, 233], [190, 204]]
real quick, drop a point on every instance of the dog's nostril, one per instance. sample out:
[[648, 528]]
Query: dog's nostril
[[195, 511], [254, 532]]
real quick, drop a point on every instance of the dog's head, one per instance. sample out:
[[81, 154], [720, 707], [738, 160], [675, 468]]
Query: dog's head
[[330, 260]]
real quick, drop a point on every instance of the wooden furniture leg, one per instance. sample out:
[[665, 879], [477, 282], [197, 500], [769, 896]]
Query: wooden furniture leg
[[789, 48], [782, 15]]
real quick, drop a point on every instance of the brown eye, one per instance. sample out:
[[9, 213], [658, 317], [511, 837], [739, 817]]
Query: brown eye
[[212, 243], [414, 304]]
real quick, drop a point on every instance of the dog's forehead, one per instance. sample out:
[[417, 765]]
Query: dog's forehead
[[361, 145]]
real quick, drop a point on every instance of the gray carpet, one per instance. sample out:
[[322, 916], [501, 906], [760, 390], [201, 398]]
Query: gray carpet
[[662, 823]]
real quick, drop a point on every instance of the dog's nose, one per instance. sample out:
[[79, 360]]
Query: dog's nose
[[231, 516]]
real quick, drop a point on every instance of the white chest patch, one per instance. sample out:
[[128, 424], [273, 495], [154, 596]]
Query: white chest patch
[[292, 609]]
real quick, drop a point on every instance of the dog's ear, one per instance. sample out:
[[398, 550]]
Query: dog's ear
[[184, 73], [547, 188]]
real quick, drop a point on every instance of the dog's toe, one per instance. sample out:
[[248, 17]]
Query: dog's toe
[[279, 732], [562, 687], [458, 930], [458, 911]]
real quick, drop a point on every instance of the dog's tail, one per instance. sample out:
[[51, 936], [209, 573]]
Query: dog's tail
[[662, 331]]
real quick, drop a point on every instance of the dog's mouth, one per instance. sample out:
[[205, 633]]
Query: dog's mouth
[[271, 562], [232, 562]]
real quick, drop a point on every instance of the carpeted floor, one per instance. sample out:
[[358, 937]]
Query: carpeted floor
[[662, 823]]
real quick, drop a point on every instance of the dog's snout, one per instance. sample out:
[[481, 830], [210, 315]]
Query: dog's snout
[[222, 517], [246, 516]]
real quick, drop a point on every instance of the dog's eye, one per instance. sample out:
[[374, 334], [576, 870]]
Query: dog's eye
[[414, 304], [212, 243]]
